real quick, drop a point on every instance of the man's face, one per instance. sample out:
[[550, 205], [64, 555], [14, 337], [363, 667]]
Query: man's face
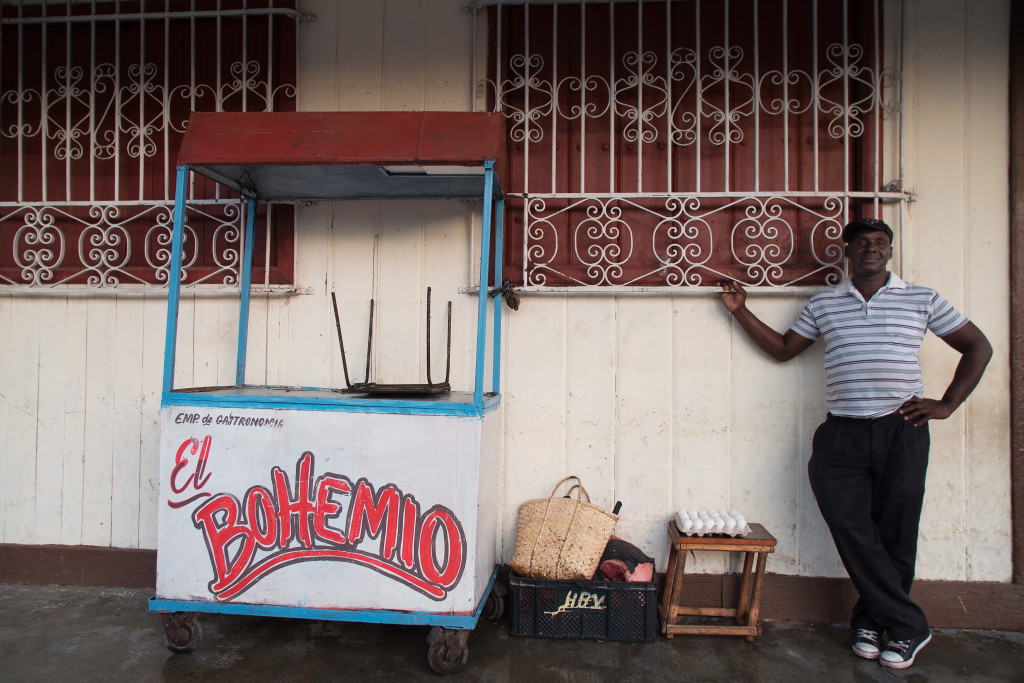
[[869, 252]]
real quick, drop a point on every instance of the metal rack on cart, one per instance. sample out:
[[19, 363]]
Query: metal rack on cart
[[345, 504]]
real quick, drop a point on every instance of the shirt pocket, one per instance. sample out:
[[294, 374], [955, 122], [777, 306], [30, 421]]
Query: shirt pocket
[[904, 327]]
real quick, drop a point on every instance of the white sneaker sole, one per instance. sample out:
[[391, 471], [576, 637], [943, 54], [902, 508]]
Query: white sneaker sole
[[866, 654], [905, 664]]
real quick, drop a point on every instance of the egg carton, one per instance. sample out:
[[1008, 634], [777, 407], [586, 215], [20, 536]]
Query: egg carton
[[711, 523]]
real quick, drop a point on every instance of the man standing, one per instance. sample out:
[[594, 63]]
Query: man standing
[[869, 457]]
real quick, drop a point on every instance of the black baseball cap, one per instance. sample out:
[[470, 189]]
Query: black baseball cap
[[865, 224]]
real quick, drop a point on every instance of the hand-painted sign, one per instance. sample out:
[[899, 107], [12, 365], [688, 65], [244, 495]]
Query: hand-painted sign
[[249, 539], [269, 505]]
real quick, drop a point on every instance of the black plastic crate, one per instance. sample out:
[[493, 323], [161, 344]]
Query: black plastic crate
[[593, 610]]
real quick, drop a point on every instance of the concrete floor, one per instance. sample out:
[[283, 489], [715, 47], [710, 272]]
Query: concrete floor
[[59, 633]]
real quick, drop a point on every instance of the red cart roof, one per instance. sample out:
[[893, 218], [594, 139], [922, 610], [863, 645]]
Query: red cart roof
[[345, 155]]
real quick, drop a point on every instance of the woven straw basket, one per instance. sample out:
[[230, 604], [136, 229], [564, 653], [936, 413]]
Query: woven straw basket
[[561, 538]]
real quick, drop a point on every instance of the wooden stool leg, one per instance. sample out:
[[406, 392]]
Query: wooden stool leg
[[743, 599], [755, 600], [678, 566], [668, 590]]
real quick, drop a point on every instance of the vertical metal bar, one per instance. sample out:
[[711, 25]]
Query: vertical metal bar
[[166, 119], [640, 96], [429, 380], [246, 291], [499, 245], [899, 129], [669, 153], [269, 231], [174, 280], [583, 97], [67, 104], [499, 76], [554, 98], [220, 30], [816, 95], [846, 100], [481, 312], [698, 100], [474, 12], [44, 128], [21, 104], [526, 108], [785, 95], [92, 107], [295, 61], [192, 78], [116, 113], [876, 110], [142, 103], [757, 98], [613, 97], [244, 74], [270, 62], [728, 100]]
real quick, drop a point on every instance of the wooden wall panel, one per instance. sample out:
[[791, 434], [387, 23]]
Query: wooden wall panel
[[49, 462], [701, 465], [127, 425], [154, 321], [533, 400], [987, 186], [644, 447], [98, 447], [659, 402], [591, 382], [21, 392], [961, 186], [73, 330]]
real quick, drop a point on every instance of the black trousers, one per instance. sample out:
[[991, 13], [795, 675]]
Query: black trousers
[[868, 477]]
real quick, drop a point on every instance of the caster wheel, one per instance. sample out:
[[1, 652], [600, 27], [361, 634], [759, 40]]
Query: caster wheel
[[494, 607], [445, 659], [182, 632]]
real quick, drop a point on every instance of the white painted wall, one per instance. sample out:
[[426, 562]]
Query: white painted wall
[[660, 402]]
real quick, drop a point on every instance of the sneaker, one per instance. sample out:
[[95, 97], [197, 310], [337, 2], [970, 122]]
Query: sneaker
[[865, 644], [900, 653]]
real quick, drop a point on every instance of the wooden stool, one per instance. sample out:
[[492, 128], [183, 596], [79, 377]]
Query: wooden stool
[[757, 543]]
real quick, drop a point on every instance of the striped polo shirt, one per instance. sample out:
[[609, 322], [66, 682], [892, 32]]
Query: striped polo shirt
[[871, 363]]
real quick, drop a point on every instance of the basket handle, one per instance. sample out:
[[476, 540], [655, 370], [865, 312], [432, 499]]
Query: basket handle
[[578, 485]]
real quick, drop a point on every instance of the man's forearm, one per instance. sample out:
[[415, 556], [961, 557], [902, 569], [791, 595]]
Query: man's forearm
[[968, 373]]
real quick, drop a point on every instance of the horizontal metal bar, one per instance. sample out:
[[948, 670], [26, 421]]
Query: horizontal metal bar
[[890, 196], [101, 202], [612, 290], [198, 291], [158, 16]]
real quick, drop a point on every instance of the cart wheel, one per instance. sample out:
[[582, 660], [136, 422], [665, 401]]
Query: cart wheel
[[494, 606], [182, 631], [447, 660], [448, 650]]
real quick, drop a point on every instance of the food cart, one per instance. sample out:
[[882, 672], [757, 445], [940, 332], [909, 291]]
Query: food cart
[[366, 503]]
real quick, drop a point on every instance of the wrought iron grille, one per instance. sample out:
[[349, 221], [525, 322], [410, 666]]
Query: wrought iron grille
[[670, 144], [94, 100]]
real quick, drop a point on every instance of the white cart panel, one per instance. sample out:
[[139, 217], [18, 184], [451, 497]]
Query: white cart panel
[[326, 509]]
